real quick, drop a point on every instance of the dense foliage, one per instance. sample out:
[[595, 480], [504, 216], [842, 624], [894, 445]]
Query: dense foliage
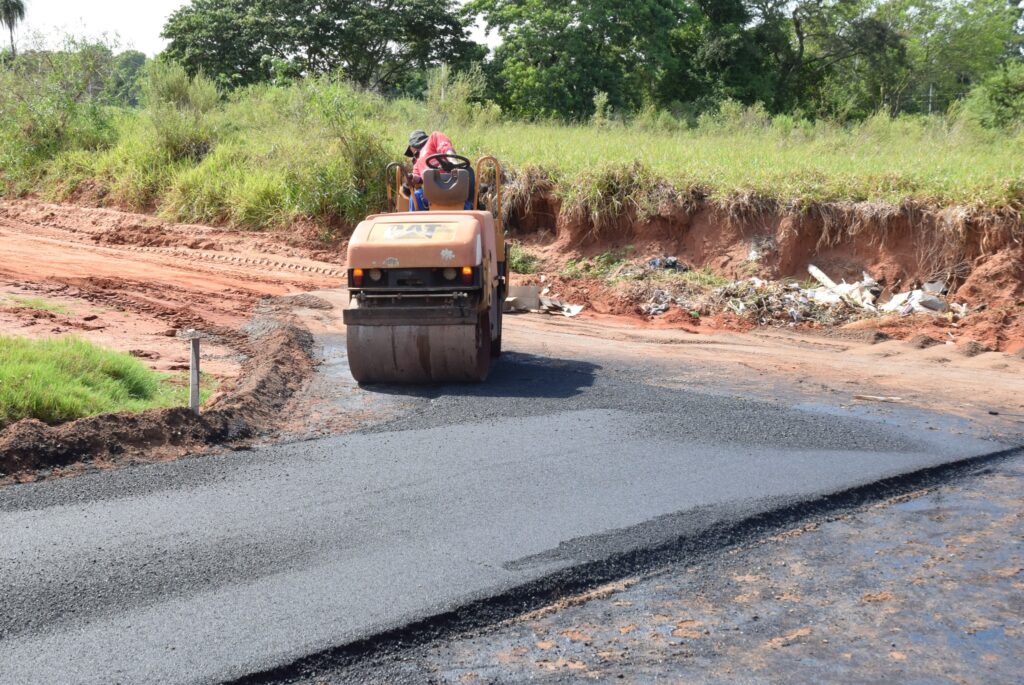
[[841, 58], [611, 105], [380, 44]]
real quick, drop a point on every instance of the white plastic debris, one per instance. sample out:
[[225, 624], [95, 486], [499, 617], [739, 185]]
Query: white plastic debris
[[522, 298], [854, 294], [913, 302], [553, 306]]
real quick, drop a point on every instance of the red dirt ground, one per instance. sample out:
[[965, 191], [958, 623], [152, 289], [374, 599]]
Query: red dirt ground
[[129, 281], [984, 268]]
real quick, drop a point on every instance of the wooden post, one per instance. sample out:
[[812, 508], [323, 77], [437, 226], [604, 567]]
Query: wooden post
[[193, 369]]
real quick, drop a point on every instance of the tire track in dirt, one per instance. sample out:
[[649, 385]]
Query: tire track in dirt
[[140, 281]]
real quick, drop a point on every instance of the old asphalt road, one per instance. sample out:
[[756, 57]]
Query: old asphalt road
[[211, 569]]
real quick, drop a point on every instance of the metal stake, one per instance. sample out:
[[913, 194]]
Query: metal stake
[[193, 367]]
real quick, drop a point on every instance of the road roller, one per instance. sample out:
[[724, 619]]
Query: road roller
[[426, 288]]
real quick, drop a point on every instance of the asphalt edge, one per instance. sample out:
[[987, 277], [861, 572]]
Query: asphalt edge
[[485, 612]]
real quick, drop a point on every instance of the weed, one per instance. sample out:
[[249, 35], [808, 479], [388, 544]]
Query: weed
[[61, 379], [705, 278], [519, 260], [604, 266], [38, 304]]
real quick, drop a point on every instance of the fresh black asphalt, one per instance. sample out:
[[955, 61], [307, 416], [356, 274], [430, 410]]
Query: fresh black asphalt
[[211, 568]]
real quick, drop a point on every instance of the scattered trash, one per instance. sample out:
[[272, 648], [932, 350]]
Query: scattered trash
[[667, 263], [552, 306], [661, 301], [862, 294], [523, 298], [915, 301], [766, 302], [771, 303]]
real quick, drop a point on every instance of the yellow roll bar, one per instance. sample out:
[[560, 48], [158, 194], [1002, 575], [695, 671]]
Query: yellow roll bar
[[497, 188], [394, 195]]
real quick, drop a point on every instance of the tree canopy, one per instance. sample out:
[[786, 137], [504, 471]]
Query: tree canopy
[[845, 59], [379, 44], [12, 13]]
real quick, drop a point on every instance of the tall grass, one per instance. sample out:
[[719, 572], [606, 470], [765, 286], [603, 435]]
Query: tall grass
[[794, 162], [265, 156], [61, 379]]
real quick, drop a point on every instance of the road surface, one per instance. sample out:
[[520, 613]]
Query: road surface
[[209, 569], [926, 587]]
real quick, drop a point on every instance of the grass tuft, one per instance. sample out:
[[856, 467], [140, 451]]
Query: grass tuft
[[62, 379], [519, 260], [38, 304]]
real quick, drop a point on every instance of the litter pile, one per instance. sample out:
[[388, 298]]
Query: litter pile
[[787, 303], [530, 298]]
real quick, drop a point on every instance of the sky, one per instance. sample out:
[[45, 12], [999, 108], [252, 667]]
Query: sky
[[135, 23]]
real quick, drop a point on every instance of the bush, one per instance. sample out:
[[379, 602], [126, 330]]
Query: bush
[[734, 117], [998, 101], [51, 102], [178, 106], [602, 110], [456, 98], [520, 261]]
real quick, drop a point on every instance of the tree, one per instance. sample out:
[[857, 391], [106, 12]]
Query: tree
[[715, 54], [999, 99], [12, 13], [951, 45], [379, 44], [556, 56], [125, 85]]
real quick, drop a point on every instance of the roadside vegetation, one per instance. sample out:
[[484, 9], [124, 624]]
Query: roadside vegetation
[[265, 156], [823, 105], [36, 303], [62, 379], [520, 260]]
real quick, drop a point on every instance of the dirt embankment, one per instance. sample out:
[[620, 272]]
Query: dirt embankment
[[131, 282], [979, 255], [267, 382]]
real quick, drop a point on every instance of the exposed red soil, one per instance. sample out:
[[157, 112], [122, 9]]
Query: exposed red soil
[[131, 283], [980, 256]]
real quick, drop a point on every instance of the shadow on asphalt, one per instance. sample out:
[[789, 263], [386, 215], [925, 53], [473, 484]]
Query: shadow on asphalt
[[514, 374]]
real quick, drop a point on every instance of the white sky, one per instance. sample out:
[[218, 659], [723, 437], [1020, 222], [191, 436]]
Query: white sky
[[135, 23]]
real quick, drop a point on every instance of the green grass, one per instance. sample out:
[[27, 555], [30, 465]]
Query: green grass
[[61, 379], [704, 278], [38, 303], [604, 266], [520, 261], [267, 156], [929, 160]]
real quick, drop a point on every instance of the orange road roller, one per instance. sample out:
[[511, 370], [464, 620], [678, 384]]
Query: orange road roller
[[426, 288]]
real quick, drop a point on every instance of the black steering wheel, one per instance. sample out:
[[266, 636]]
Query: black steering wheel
[[448, 162]]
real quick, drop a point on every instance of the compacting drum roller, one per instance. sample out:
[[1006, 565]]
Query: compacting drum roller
[[426, 288]]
